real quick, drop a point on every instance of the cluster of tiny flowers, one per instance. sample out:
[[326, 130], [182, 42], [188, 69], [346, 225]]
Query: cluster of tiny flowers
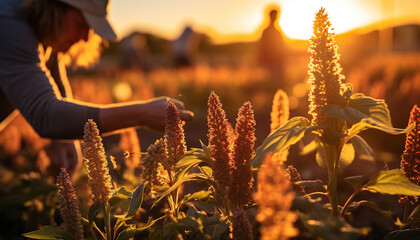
[[325, 76], [68, 205], [174, 138], [410, 159], [294, 176], [241, 228], [243, 151], [280, 110], [152, 163], [274, 199], [129, 142], [219, 141], [95, 160]]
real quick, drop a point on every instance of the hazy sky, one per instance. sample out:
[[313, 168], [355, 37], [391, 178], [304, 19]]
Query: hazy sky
[[223, 18]]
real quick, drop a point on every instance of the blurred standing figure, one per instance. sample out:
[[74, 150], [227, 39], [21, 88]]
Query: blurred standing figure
[[34, 37], [184, 47], [134, 51], [272, 47]]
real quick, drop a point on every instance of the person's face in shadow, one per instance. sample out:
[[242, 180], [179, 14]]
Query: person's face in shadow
[[273, 16], [74, 29]]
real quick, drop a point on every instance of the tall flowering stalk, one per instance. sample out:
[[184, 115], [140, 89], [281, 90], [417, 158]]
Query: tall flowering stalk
[[95, 160], [174, 138], [274, 198], [243, 151], [279, 115], [280, 110], [325, 76], [68, 205], [410, 159], [325, 79], [219, 141], [99, 179], [241, 228], [152, 163]]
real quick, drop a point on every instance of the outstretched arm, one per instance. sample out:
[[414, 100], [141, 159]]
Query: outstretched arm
[[150, 113]]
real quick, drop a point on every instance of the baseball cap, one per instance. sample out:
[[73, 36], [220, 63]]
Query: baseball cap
[[95, 13]]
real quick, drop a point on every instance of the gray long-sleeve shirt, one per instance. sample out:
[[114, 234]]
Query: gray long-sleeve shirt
[[33, 84]]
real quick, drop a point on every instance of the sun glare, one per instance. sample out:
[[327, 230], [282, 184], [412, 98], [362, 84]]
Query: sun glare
[[296, 21]]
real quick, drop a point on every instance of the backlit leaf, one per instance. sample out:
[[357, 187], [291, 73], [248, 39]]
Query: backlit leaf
[[137, 200], [392, 182], [354, 205], [355, 181], [369, 123], [281, 139], [346, 156], [48, 233], [93, 212], [362, 148], [376, 109]]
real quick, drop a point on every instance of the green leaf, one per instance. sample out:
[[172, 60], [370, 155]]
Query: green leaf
[[345, 114], [192, 158], [321, 157], [125, 191], [346, 156], [206, 151], [114, 200], [206, 170], [48, 233], [413, 220], [310, 147], [355, 181], [354, 205], [369, 123], [137, 200], [93, 212], [180, 181], [392, 182], [281, 139], [415, 214], [197, 196], [132, 231], [410, 234], [119, 223], [376, 109], [362, 148]]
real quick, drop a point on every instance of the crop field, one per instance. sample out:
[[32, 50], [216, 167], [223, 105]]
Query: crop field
[[320, 151]]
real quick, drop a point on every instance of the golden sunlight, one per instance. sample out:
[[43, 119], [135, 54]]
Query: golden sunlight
[[296, 21]]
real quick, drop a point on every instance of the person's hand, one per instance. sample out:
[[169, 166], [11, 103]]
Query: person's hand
[[64, 154], [155, 114]]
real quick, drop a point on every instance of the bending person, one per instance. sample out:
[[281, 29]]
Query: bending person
[[33, 36]]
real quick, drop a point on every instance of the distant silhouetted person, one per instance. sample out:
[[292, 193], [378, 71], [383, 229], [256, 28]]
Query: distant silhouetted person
[[134, 52], [184, 47], [271, 43], [272, 47]]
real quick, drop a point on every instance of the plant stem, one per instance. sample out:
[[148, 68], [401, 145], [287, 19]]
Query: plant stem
[[94, 227], [349, 200], [406, 212], [107, 220], [174, 195], [331, 152]]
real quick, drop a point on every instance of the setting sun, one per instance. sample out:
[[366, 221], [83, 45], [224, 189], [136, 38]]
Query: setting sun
[[296, 22], [243, 21]]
